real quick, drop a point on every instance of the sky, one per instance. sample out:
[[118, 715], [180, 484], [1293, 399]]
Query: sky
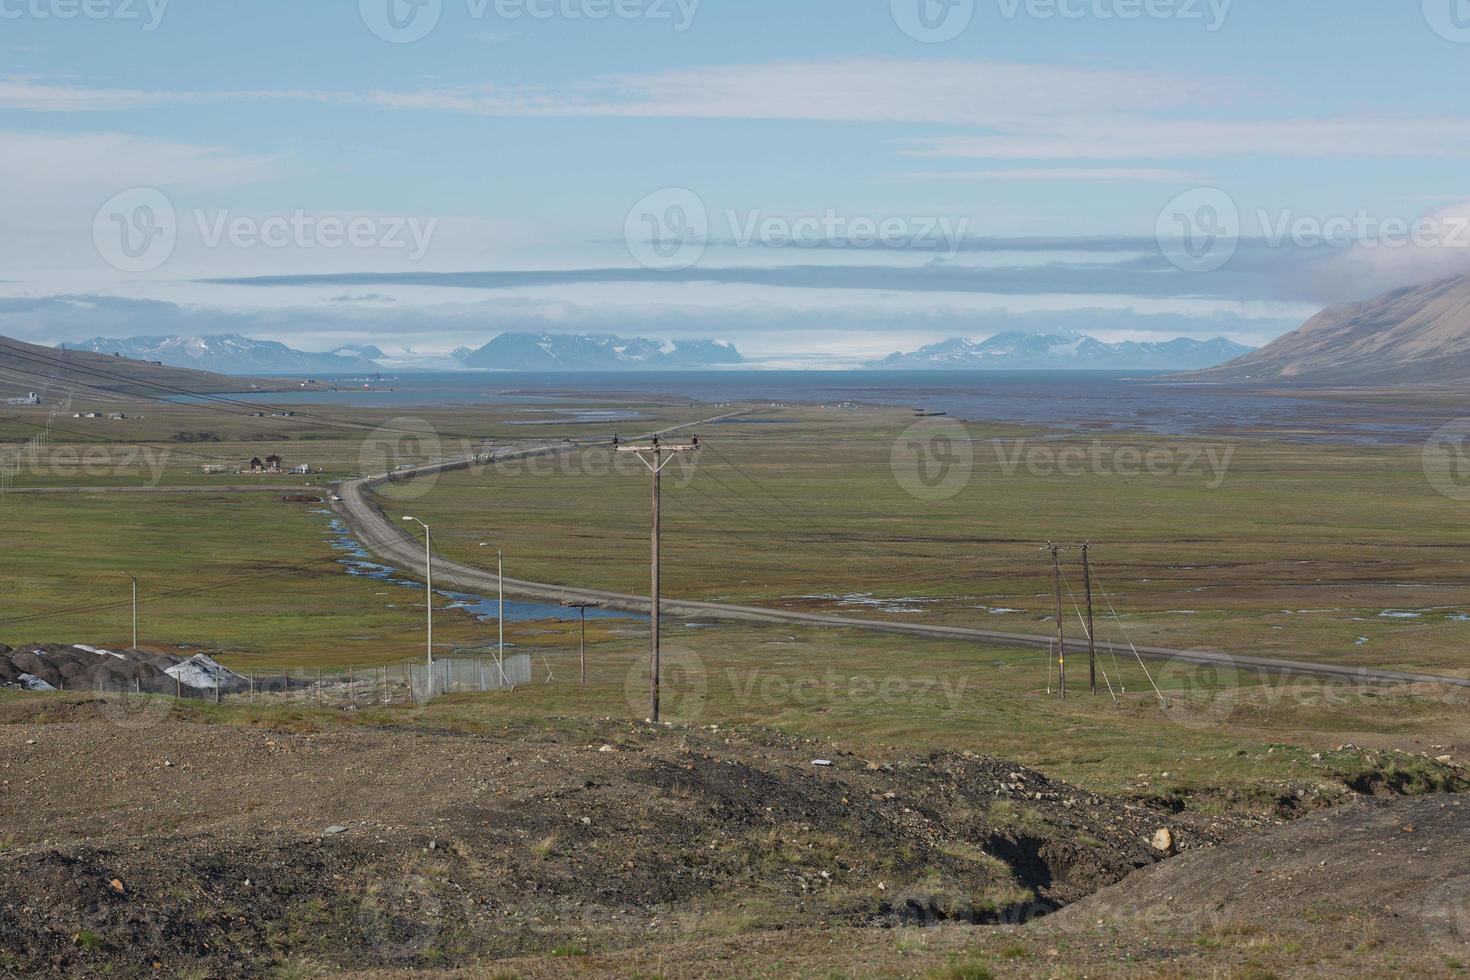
[[816, 181]]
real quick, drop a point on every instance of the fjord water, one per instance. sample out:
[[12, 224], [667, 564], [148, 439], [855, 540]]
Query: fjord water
[[1078, 400]]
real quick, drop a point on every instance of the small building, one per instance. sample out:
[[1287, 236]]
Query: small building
[[256, 466], [212, 469], [273, 463], [303, 470], [30, 399]]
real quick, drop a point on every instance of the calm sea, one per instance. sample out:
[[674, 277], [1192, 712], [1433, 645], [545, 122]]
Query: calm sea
[[1069, 400]]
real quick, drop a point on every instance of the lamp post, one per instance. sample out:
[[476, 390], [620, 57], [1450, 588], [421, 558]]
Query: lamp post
[[135, 608], [428, 585], [500, 616]]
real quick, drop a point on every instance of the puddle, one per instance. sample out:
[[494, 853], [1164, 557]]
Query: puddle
[[359, 563]]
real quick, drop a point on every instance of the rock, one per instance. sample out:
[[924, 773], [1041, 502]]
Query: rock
[[1446, 759], [607, 748], [117, 886], [1163, 841], [336, 829], [821, 762]]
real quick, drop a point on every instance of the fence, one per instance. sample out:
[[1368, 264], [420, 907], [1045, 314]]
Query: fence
[[404, 683]]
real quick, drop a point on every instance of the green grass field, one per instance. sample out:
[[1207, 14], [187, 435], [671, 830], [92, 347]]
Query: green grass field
[[1292, 550]]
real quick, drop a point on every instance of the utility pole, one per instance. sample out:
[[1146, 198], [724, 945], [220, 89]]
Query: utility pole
[[428, 593], [652, 455], [1056, 566], [135, 609], [582, 608], [1091, 643], [500, 616]]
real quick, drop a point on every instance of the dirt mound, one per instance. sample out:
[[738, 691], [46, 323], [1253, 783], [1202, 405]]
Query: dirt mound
[[242, 849], [1404, 865]]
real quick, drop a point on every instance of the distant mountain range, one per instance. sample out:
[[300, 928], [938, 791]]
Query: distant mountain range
[[571, 352], [234, 354], [1409, 336], [1064, 352]]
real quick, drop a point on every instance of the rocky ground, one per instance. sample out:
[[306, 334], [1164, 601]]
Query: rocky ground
[[135, 842], [140, 838]]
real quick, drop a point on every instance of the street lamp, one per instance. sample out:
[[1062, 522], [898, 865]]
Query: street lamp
[[428, 585], [135, 609], [500, 616]]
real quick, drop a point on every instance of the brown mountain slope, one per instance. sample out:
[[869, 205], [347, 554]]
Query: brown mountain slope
[[52, 373], [1415, 335]]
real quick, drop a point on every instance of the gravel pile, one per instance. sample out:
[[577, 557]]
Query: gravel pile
[[55, 667]]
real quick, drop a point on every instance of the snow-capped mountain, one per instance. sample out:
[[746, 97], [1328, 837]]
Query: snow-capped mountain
[[1063, 352], [231, 354], [369, 351], [603, 352]]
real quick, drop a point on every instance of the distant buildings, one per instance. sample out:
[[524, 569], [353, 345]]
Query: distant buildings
[[30, 399]]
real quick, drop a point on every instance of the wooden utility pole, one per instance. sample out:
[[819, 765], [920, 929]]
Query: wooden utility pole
[[1056, 567], [653, 456], [1091, 643], [582, 608]]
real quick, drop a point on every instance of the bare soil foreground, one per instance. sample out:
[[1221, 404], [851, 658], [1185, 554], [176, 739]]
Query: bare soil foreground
[[141, 839]]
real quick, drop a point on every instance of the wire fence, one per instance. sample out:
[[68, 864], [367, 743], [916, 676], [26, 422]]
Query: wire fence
[[345, 688]]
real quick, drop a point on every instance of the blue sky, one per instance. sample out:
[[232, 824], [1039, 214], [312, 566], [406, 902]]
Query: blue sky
[[511, 143]]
